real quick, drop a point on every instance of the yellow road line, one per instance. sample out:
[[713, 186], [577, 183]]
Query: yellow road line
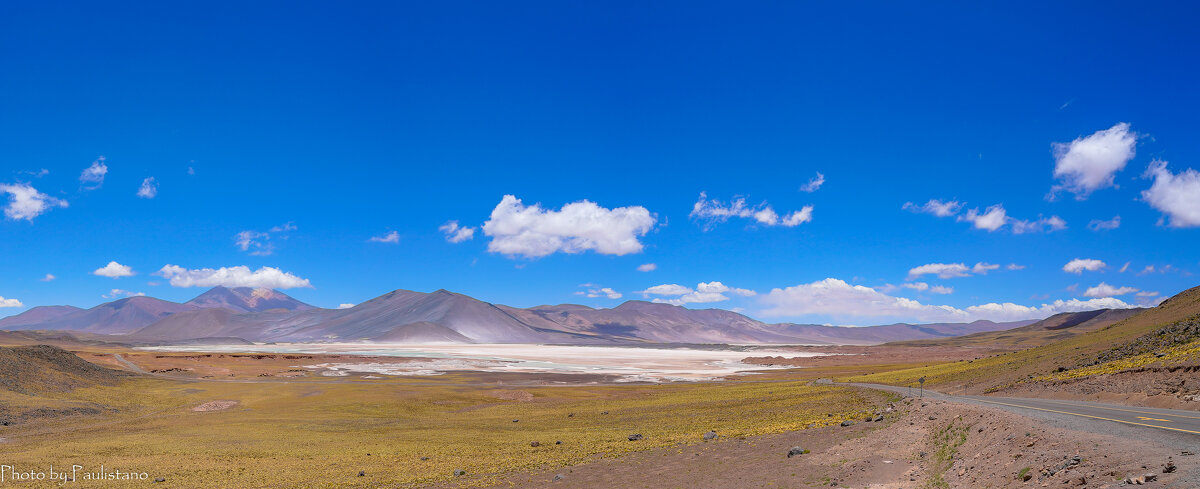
[[1090, 416], [1125, 410], [1145, 418]]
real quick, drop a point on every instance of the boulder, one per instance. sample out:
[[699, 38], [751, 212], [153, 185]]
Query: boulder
[[635, 437], [711, 435]]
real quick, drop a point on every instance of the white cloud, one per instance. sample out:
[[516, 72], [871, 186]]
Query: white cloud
[[115, 293], [92, 177], [25, 202], [666, 289], [935, 207], [391, 237], [714, 211], [114, 270], [941, 289], [1078, 265], [704, 292], [534, 232], [1014, 266], [813, 184], [942, 270], [1124, 267], [256, 241], [604, 292], [1149, 269], [1041, 225], [455, 233], [920, 286], [982, 268], [1176, 195], [10, 302], [286, 227], [262, 243], [1100, 225], [1088, 164], [1105, 290], [797, 218], [239, 276], [1147, 293], [48, 278], [647, 267], [991, 219], [847, 302], [345, 306], [951, 270], [149, 188]]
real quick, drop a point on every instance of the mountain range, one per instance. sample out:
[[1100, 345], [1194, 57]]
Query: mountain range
[[403, 316]]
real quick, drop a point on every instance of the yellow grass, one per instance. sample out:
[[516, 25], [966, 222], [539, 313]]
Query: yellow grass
[[318, 434]]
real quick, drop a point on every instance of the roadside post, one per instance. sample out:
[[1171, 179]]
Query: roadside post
[[922, 382]]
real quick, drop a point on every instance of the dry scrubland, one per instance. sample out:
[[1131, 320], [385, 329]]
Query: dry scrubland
[[313, 433]]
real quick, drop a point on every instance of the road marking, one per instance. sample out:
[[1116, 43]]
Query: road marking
[[1143, 418], [1125, 410], [1089, 416]]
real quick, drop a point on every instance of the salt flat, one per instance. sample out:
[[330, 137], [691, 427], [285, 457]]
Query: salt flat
[[630, 364]]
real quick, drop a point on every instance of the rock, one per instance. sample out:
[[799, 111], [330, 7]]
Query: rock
[[362, 473], [1150, 477], [796, 451], [878, 419], [711, 435], [932, 418], [558, 442], [570, 415], [635, 437], [516, 421], [460, 473], [603, 412], [558, 477], [1169, 466], [1135, 480], [424, 458], [535, 444], [847, 423], [160, 479]]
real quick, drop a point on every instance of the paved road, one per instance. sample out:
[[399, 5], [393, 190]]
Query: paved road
[[1180, 427]]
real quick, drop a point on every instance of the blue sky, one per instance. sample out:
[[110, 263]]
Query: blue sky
[[287, 135]]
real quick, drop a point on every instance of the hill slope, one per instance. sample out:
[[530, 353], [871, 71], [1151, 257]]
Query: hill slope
[[42, 369], [1054, 328], [1004, 370]]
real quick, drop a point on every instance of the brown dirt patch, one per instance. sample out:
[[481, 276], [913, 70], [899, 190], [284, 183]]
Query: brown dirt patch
[[214, 406], [510, 395], [920, 444]]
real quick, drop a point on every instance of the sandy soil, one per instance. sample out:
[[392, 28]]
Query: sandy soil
[[907, 449]]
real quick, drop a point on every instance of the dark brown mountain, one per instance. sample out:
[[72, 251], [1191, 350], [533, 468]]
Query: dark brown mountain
[[117, 317], [36, 315], [870, 335], [1057, 327], [247, 299], [443, 316]]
